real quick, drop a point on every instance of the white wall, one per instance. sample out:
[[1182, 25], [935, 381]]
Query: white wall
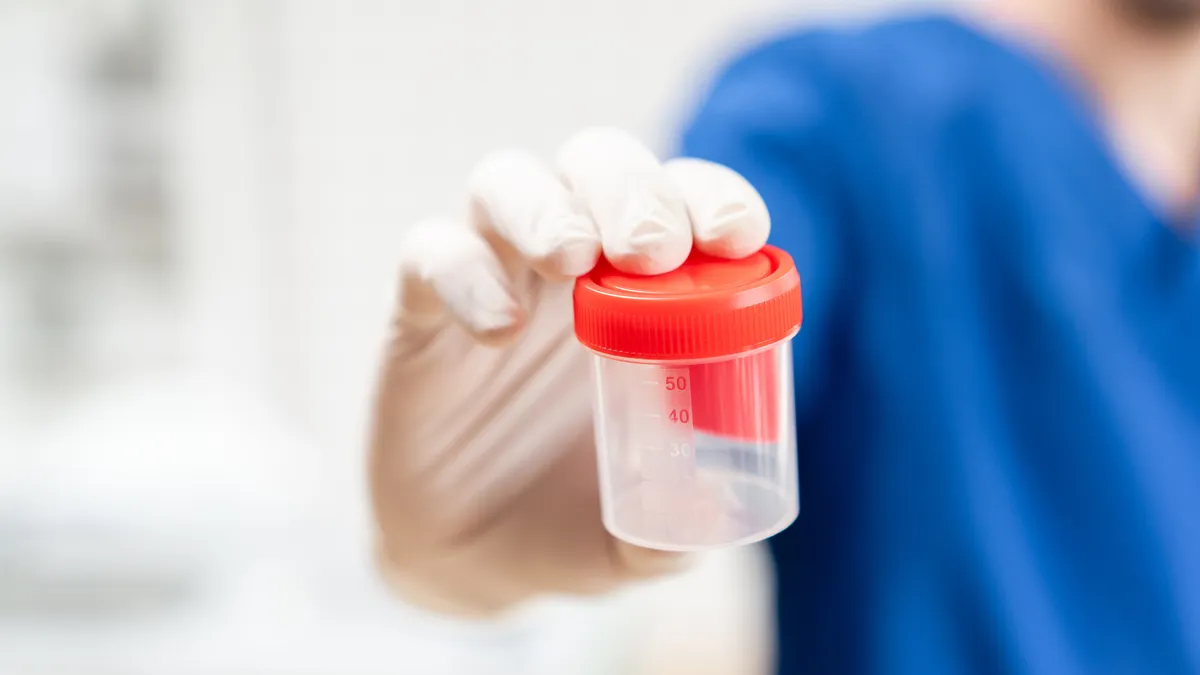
[[307, 134]]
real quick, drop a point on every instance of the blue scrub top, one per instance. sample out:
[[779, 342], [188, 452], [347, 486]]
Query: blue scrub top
[[999, 370]]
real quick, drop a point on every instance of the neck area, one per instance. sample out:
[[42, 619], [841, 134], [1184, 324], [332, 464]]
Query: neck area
[[1144, 74]]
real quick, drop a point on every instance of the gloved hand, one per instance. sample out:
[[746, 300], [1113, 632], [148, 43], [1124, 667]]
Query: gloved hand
[[483, 471]]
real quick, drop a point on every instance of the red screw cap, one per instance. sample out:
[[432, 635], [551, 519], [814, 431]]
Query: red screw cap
[[708, 308]]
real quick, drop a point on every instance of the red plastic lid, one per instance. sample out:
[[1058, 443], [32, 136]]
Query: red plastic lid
[[707, 308]]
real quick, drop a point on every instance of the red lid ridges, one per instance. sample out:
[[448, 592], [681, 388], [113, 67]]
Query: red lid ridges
[[707, 308]]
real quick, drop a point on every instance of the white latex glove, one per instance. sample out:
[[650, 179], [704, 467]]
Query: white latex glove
[[483, 469]]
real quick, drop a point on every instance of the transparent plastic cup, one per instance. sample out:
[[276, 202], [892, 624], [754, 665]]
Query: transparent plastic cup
[[694, 412]]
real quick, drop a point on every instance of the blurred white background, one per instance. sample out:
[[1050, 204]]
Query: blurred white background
[[200, 208]]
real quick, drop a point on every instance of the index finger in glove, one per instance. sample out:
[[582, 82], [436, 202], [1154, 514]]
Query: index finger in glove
[[448, 271]]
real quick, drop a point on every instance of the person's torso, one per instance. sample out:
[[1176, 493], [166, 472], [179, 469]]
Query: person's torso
[[1003, 475]]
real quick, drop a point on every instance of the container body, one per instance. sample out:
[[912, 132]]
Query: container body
[[697, 455]]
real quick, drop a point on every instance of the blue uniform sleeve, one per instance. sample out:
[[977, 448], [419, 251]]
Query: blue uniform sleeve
[[774, 117]]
